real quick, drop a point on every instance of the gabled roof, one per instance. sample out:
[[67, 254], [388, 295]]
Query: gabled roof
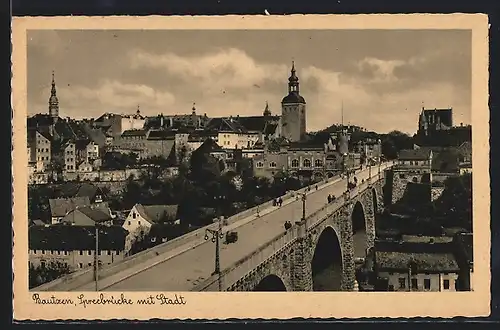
[[95, 214], [210, 146], [39, 120], [75, 238], [82, 144], [414, 154], [155, 213], [59, 207]]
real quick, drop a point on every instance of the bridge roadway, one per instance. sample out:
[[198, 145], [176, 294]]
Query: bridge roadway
[[184, 269]]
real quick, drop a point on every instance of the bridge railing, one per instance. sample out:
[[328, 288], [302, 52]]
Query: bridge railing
[[244, 266], [232, 274], [80, 278]]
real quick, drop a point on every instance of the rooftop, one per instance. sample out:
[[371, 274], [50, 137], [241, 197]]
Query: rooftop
[[59, 207], [414, 154], [422, 262], [156, 213], [75, 238]]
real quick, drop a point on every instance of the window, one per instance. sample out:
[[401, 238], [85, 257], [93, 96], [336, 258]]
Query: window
[[414, 283], [427, 284], [295, 163], [306, 163], [89, 252], [260, 164], [134, 215], [90, 264], [117, 253], [318, 163], [139, 222], [43, 251], [402, 283], [42, 264], [129, 223], [456, 285], [109, 253], [272, 164], [446, 284]]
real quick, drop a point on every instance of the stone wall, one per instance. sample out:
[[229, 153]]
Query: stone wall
[[400, 180]]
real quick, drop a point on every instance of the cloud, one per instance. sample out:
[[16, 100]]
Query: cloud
[[222, 70], [378, 70]]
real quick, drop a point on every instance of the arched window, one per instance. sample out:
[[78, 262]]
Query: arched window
[[318, 163], [260, 164], [272, 164], [306, 163], [295, 163]]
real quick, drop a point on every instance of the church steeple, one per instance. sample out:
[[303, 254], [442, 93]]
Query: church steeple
[[293, 81], [53, 101], [267, 112]]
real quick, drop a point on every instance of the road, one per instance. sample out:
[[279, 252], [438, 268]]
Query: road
[[185, 270]]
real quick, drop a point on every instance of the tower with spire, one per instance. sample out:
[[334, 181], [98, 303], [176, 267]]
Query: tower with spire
[[293, 110], [53, 101]]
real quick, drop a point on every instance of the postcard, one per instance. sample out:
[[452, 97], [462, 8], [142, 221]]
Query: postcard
[[270, 167]]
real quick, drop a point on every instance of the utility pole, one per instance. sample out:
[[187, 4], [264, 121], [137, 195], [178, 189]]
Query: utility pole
[[96, 258]]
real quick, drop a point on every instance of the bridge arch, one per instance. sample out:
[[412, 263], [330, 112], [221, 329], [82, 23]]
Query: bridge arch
[[271, 283], [326, 263], [359, 237]]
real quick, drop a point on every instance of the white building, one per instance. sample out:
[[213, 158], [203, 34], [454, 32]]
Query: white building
[[142, 217]]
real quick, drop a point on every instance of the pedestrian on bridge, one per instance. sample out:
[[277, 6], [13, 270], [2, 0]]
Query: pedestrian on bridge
[[280, 202], [316, 187], [288, 225], [329, 198]]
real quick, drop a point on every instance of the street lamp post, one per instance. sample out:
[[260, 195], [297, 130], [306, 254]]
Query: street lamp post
[[370, 171], [216, 237], [347, 174]]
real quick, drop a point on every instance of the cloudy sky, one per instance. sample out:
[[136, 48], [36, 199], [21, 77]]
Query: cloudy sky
[[382, 77]]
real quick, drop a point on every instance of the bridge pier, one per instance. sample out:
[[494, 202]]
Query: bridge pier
[[348, 269], [301, 269]]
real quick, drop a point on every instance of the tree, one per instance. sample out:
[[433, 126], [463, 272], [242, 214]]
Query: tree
[[454, 206], [395, 141], [47, 272]]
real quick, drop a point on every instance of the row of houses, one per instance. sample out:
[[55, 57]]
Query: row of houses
[[70, 237]]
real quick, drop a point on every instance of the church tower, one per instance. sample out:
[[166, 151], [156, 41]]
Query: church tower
[[53, 101], [293, 111]]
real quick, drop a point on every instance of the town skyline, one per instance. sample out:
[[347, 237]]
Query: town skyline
[[236, 72]]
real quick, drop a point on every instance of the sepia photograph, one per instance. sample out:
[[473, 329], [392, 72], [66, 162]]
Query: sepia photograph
[[239, 159]]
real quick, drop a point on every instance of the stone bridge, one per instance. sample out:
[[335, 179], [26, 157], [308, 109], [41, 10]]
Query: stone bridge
[[317, 254]]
